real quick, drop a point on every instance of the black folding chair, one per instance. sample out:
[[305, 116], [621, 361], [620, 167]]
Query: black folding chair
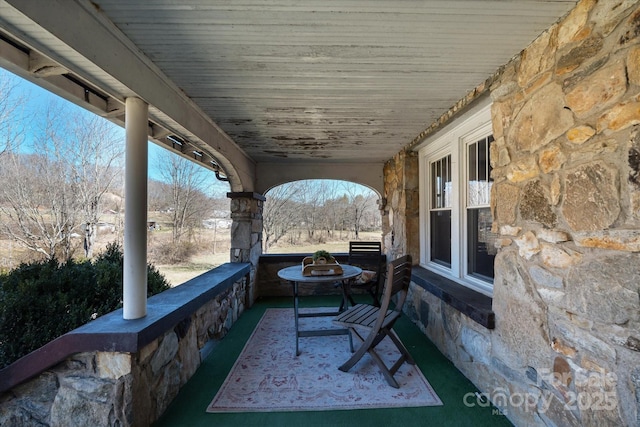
[[368, 256]]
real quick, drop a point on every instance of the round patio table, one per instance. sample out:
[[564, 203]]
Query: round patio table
[[294, 276]]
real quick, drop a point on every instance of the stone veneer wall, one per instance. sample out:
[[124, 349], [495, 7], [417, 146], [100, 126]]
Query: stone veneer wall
[[566, 203], [246, 232], [400, 209], [123, 389]]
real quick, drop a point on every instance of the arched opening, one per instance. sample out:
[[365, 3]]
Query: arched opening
[[72, 162], [301, 216]]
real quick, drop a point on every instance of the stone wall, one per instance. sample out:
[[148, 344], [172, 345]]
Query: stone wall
[[400, 209], [122, 389], [566, 203]]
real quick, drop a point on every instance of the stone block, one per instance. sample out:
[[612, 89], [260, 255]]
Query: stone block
[[165, 353], [575, 26], [583, 341], [633, 66], [591, 199], [606, 290], [600, 90], [552, 236], [544, 278], [534, 127], [608, 14], [535, 205], [113, 365], [476, 345], [537, 57], [620, 117], [85, 400], [523, 170], [573, 59], [520, 337], [189, 355], [580, 134], [505, 211], [554, 256], [528, 245], [618, 240]]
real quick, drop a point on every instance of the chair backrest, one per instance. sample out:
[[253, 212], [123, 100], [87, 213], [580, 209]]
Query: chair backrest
[[367, 255], [397, 284]]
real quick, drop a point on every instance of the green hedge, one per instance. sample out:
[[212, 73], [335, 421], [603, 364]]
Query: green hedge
[[42, 300]]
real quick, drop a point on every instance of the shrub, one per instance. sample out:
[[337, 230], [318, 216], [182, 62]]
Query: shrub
[[174, 253], [40, 301]]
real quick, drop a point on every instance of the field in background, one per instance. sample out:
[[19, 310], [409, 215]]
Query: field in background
[[204, 261], [205, 254]]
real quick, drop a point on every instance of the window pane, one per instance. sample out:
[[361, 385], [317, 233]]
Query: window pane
[[483, 158], [472, 162], [481, 248], [441, 183], [479, 179], [441, 237]]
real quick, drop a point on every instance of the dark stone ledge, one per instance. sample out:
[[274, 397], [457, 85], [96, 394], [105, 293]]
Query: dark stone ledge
[[296, 258], [114, 334], [471, 303]]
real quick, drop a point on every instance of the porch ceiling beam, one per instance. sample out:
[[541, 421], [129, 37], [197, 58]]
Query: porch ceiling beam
[[77, 36]]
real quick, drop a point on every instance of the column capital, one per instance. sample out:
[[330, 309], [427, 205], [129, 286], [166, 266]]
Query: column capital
[[246, 195]]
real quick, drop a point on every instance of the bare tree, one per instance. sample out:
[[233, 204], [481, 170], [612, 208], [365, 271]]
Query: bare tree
[[280, 213], [55, 194], [12, 115], [360, 203], [95, 167], [39, 207], [188, 203], [337, 209], [316, 195]]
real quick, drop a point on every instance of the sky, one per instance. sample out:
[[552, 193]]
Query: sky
[[38, 98]]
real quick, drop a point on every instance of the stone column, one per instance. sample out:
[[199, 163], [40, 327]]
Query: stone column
[[134, 296], [246, 233], [401, 213]]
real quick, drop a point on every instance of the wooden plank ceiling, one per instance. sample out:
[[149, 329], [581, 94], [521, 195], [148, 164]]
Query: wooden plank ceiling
[[328, 80]]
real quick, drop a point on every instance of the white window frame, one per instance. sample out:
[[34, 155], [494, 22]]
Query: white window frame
[[453, 140]]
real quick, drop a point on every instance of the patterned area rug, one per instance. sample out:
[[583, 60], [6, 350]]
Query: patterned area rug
[[268, 377]]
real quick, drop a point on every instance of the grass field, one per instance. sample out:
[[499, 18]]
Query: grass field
[[204, 256], [204, 261]]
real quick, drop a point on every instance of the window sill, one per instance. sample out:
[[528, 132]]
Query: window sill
[[471, 303]]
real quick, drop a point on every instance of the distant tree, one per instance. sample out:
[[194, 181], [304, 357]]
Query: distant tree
[[157, 195], [13, 117], [39, 208], [280, 213], [187, 201], [360, 204], [311, 197], [56, 193], [96, 166]]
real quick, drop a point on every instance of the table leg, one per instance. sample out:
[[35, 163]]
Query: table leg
[[345, 287], [313, 333], [295, 314]]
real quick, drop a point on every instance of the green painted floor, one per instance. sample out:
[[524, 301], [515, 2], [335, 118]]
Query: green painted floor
[[188, 409]]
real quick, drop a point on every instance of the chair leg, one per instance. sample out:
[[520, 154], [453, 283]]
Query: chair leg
[[401, 347], [386, 372], [369, 345], [376, 301], [355, 357], [346, 296]]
